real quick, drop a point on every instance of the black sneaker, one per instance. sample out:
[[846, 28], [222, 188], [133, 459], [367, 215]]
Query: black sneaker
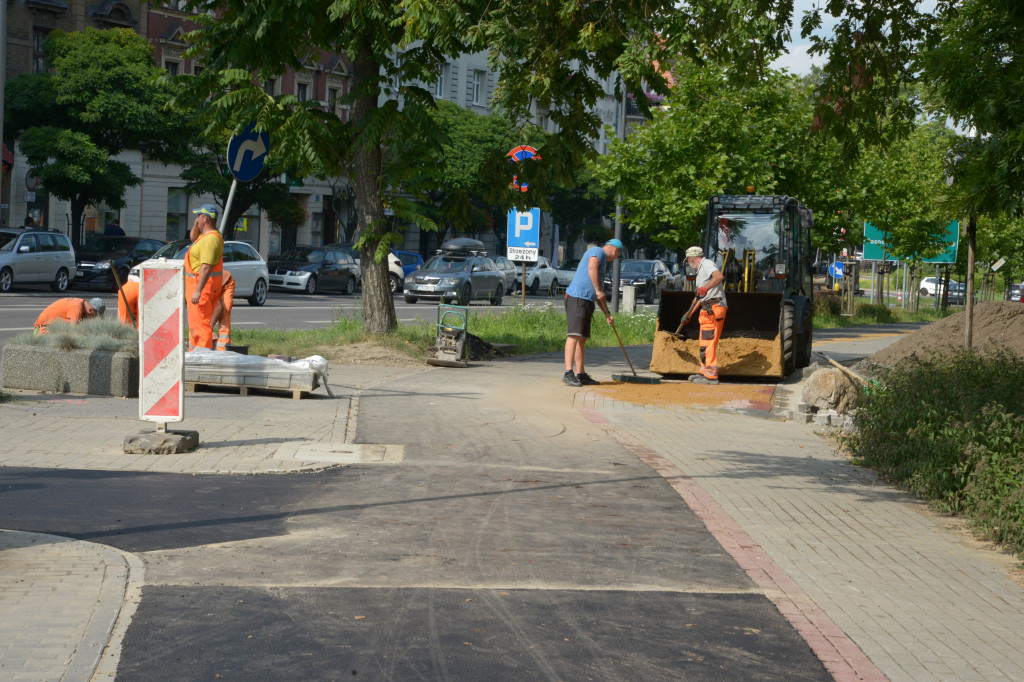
[[569, 379], [586, 380]]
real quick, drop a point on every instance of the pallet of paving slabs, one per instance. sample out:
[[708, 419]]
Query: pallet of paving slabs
[[196, 387]]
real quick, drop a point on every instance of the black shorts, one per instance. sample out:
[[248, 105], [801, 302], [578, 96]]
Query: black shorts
[[578, 314]]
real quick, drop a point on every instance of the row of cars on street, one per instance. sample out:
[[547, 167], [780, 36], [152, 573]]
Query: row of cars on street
[[460, 272]]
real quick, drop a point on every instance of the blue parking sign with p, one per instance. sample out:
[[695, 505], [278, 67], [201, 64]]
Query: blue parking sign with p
[[523, 234]]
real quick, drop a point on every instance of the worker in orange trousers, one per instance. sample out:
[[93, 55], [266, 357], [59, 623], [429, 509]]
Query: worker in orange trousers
[[72, 310], [222, 312], [204, 273]]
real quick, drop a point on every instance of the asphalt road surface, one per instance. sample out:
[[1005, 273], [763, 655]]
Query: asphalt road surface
[[283, 310]]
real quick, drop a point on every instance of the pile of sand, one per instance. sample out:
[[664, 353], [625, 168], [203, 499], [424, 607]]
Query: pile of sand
[[998, 325]]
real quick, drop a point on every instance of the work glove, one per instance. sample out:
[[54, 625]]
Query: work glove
[[702, 292]]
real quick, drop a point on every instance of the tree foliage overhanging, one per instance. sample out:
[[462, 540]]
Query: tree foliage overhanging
[[98, 99]]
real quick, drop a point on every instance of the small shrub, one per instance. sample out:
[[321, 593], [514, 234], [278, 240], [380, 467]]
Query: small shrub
[[874, 313], [828, 304], [92, 334], [951, 430]]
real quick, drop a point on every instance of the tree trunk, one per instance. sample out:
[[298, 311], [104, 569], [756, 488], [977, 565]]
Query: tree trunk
[[972, 232], [77, 210], [378, 305]]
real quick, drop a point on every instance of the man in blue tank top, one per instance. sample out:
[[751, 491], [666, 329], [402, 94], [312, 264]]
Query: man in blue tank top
[[581, 297]]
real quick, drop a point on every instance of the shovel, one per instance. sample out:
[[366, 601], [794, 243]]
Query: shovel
[[680, 333]]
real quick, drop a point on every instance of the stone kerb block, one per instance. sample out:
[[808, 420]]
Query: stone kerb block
[[91, 372], [829, 389]]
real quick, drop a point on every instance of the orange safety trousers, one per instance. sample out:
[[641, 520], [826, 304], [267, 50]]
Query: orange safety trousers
[[227, 299], [711, 323], [200, 332]]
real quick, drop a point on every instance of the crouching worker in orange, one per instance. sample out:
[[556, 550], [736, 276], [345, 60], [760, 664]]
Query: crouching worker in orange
[[72, 310], [128, 304], [204, 272], [222, 312], [712, 313]]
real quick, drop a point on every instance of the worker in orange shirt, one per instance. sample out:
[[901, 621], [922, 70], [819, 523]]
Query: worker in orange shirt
[[204, 273], [72, 310], [222, 312], [128, 304]]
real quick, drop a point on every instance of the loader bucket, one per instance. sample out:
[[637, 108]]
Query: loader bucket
[[751, 343]]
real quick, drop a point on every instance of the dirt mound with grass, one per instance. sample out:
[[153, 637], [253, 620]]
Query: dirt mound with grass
[[998, 325]]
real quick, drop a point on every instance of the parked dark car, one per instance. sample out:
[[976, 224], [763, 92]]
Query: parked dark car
[[460, 273], [100, 253], [314, 268], [650, 277]]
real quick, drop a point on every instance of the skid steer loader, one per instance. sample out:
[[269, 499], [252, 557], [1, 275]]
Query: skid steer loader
[[762, 244]]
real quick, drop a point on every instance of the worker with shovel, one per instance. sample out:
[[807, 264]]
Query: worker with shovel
[[712, 313], [580, 300]]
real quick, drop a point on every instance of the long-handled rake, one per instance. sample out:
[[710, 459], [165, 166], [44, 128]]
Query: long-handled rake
[[635, 379]]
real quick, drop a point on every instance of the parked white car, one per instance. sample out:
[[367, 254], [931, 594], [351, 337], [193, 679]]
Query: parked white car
[[245, 264], [540, 276]]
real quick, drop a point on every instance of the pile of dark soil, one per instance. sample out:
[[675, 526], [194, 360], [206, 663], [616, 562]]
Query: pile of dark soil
[[998, 325]]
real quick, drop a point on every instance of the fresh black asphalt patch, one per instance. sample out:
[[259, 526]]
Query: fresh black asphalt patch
[[248, 612], [440, 634]]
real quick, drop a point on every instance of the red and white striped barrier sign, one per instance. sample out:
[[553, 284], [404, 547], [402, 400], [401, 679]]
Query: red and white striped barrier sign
[[161, 347]]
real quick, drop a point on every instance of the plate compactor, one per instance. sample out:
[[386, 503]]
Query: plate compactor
[[451, 336]]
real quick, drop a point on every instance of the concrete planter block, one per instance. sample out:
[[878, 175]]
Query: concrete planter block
[[92, 372]]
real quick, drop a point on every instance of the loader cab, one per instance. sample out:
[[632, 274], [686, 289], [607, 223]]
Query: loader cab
[[762, 244]]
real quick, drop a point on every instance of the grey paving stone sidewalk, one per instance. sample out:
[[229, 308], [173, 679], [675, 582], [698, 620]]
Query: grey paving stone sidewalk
[[61, 600], [910, 587], [251, 434]]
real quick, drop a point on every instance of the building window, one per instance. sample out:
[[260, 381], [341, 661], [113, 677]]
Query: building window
[[478, 86], [302, 91], [172, 67], [39, 36], [270, 86], [440, 82], [196, 69], [177, 214], [332, 98]]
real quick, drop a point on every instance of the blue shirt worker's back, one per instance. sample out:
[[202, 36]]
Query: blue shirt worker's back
[[581, 286]]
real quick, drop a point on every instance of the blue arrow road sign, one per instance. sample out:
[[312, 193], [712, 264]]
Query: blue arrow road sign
[[247, 151], [523, 234], [836, 270]]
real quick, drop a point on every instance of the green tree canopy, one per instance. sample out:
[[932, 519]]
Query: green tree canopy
[[98, 99], [556, 56], [714, 137]]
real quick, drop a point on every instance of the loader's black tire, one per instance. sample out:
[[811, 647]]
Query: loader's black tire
[[803, 349], [787, 328]]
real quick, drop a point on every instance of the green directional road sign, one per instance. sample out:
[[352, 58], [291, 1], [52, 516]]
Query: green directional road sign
[[876, 247]]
